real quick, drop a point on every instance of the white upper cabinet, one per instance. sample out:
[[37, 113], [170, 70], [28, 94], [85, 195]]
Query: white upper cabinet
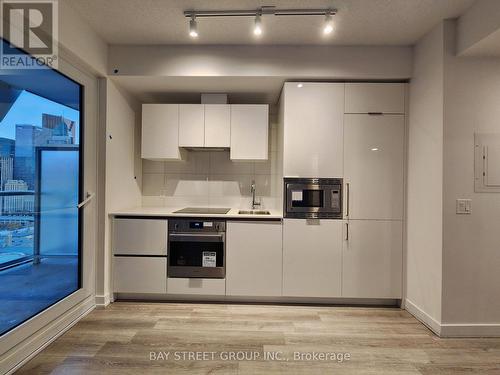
[[217, 125], [160, 131], [313, 125], [254, 258], [191, 125], [374, 166], [249, 132], [312, 258], [375, 98], [372, 259]]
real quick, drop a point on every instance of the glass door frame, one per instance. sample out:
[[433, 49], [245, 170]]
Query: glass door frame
[[23, 341]]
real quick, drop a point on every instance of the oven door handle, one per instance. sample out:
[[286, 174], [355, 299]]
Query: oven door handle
[[196, 237]]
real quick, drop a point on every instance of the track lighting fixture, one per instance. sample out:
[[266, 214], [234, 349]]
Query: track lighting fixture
[[258, 14], [328, 28], [193, 27], [257, 29]]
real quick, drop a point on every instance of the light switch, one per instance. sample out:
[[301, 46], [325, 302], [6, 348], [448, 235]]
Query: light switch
[[464, 206]]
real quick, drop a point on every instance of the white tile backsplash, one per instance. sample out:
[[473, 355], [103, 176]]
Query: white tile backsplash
[[150, 166], [210, 178], [220, 163], [153, 184], [178, 184]]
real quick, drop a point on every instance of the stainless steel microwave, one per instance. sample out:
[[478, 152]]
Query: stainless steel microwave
[[313, 198]]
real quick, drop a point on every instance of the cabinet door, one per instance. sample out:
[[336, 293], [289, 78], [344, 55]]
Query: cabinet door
[[375, 97], [140, 237], [217, 125], [372, 259], [191, 125], [374, 162], [312, 258], [313, 125], [254, 259], [160, 131], [139, 274], [249, 132]]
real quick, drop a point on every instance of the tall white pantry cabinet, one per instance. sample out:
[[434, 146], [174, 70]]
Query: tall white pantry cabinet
[[355, 131]]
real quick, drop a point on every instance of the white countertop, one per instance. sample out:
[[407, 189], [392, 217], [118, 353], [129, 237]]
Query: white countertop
[[169, 212]]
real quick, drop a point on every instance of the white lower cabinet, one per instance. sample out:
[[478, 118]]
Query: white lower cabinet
[[132, 236], [139, 274], [254, 258], [195, 286], [372, 259], [312, 258]]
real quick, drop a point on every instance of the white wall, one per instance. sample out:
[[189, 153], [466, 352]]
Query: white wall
[[471, 261], [77, 38], [123, 172], [425, 178], [326, 62], [211, 179], [478, 29]]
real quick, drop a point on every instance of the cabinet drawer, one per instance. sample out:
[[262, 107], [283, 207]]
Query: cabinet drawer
[[139, 274], [375, 97], [207, 287], [140, 237]]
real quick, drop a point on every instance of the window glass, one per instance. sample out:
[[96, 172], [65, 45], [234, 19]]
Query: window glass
[[40, 224]]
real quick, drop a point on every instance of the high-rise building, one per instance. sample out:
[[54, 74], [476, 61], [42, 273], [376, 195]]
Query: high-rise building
[[6, 170], [7, 147], [17, 204], [28, 137], [62, 129]]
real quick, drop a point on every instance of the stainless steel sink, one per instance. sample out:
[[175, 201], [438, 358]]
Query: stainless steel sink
[[254, 212]]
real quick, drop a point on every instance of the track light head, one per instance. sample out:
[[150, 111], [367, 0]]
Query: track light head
[[193, 27], [328, 26], [257, 29]]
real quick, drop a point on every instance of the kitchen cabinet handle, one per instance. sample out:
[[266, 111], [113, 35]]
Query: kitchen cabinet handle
[[348, 189], [347, 231]]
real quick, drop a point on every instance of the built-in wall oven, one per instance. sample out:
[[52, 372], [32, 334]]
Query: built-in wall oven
[[196, 248], [313, 198]]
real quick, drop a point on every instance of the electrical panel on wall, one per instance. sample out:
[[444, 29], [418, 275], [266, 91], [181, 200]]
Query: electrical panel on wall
[[487, 163]]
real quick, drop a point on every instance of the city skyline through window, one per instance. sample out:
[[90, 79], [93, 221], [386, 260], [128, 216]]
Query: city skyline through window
[[39, 193]]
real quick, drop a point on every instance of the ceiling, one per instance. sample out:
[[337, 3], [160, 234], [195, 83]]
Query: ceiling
[[358, 22]]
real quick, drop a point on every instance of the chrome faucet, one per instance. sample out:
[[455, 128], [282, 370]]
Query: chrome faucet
[[254, 202]]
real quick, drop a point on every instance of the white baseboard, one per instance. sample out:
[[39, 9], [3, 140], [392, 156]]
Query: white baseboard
[[101, 301], [422, 316], [453, 329], [470, 330], [22, 353]]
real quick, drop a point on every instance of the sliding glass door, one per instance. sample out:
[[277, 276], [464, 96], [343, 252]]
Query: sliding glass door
[[41, 169]]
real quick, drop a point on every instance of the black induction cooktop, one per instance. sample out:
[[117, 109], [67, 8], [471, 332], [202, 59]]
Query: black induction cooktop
[[203, 210]]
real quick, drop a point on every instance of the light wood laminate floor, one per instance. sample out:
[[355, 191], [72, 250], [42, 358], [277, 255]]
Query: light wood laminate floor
[[121, 338]]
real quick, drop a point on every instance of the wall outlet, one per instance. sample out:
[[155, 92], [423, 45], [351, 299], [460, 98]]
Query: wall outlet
[[464, 206]]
